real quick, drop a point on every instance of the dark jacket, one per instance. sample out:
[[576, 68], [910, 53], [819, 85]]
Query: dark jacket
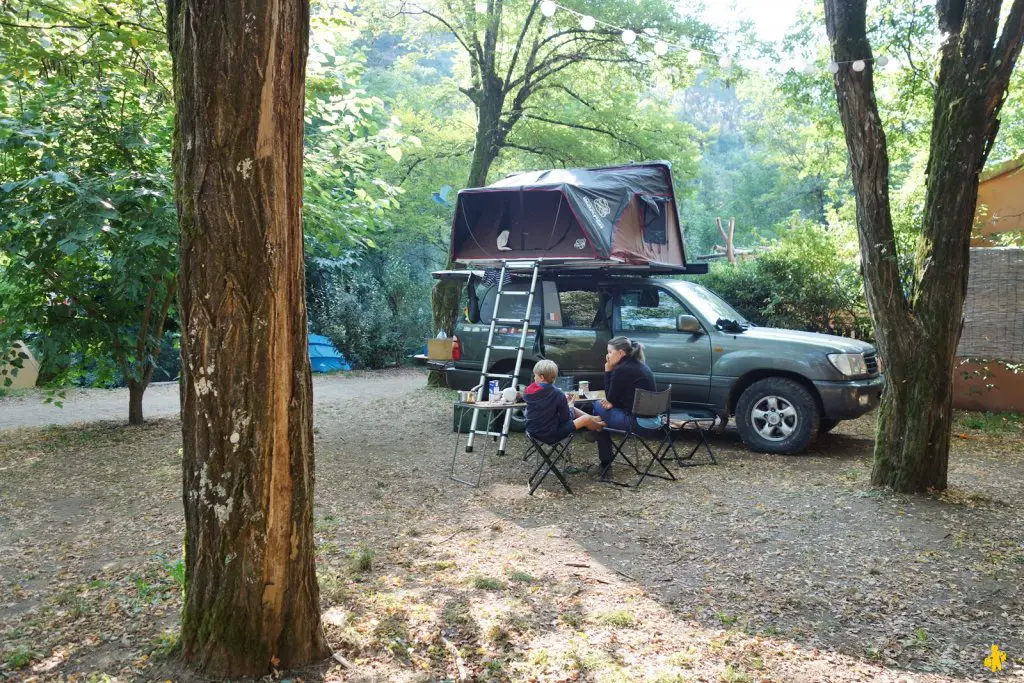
[[621, 383], [546, 410]]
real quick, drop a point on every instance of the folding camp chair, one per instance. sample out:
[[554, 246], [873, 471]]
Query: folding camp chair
[[648, 425], [550, 455], [703, 421]]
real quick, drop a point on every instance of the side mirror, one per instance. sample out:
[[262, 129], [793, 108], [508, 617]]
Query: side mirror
[[689, 324]]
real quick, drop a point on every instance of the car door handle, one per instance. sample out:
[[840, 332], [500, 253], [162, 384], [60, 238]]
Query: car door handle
[[556, 342]]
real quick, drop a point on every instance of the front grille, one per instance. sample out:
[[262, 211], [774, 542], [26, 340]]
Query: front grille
[[871, 360]]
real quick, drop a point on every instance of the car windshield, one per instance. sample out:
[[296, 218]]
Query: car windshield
[[707, 303]]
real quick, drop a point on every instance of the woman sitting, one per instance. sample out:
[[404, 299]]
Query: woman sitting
[[624, 373]]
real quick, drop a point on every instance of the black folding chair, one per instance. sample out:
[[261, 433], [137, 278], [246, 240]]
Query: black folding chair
[[648, 425], [703, 421], [550, 455]]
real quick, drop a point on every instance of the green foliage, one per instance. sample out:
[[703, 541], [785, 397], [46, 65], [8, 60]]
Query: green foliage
[[372, 304], [803, 281], [992, 423], [619, 618], [360, 561], [488, 583], [85, 203], [348, 136], [20, 657]]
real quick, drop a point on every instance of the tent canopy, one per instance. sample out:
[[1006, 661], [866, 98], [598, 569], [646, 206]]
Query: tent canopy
[[323, 357], [586, 217]]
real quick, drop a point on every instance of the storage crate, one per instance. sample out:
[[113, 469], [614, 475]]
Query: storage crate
[[439, 349]]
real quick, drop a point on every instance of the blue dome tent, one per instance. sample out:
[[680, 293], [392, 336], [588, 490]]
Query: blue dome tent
[[323, 357]]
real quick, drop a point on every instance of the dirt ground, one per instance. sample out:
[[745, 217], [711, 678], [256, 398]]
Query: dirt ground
[[762, 568], [27, 409]]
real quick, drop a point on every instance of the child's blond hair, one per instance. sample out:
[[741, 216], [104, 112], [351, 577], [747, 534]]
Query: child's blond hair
[[546, 370]]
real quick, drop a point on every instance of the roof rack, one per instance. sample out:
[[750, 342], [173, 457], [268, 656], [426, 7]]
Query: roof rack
[[585, 266]]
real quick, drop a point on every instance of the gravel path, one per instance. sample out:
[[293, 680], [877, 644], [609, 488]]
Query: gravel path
[[161, 399]]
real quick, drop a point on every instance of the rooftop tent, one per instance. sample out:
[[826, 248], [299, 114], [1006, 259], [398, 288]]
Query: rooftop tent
[[597, 216], [323, 357]]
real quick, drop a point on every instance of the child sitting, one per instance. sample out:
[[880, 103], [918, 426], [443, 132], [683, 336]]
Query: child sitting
[[550, 415]]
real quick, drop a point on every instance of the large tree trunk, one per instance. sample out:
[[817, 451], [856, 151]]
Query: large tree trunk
[[918, 336], [252, 600]]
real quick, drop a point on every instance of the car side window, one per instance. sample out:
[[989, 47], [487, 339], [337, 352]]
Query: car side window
[[581, 308], [649, 309], [512, 307]]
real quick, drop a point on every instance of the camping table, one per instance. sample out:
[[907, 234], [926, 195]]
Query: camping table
[[487, 410]]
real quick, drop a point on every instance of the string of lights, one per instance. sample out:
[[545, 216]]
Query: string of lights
[[661, 47]]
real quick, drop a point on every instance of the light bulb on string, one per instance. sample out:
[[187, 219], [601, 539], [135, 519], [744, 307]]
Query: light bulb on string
[[725, 61], [693, 57], [881, 61], [629, 36], [548, 8], [587, 22], [661, 48], [833, 67], [858, 65], [481, 8]]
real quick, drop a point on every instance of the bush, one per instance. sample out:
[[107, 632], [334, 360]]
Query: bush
[[374, 306], [803, 282]]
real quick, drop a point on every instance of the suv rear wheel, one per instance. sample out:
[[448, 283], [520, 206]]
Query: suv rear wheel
[[777, 415]]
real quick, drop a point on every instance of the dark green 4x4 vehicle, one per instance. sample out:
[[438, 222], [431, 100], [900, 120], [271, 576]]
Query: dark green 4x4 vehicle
[[782, 387]]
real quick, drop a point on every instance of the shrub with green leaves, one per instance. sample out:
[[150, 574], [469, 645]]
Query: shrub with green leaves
[[805, 281], [374, 305]]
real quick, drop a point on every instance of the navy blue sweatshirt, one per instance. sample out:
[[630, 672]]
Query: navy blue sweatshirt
[[546, 409], [621, 383]]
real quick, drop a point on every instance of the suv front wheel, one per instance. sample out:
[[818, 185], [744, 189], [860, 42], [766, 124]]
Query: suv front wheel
[[777, 415]]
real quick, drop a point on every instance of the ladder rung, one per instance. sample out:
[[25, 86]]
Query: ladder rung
[[510, 321], [507, 348], [498, 375], [511, 292], [484, 433]]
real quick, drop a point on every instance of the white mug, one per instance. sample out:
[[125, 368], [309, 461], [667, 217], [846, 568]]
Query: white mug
[[508, 395]]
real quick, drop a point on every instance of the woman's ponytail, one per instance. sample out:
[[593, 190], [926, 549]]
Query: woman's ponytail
[[636, 349]]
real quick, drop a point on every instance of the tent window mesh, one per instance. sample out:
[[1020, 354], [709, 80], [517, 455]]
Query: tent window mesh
[[655, 217]]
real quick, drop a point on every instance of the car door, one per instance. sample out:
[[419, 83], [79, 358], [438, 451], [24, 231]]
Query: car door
[[577, 328], [648, 314]]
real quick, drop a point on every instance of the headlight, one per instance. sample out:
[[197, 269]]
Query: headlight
[[850, 364]]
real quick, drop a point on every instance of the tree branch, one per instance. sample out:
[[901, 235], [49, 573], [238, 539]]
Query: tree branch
[[532, 150], [475, 54], [1001, 65], [951, 15], [519, 43], [147, 312], [443, 155], [592, 129], [869, 164], [78, 27]]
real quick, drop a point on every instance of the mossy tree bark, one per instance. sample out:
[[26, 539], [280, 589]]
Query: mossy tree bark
[[252, 599], [918, 334]]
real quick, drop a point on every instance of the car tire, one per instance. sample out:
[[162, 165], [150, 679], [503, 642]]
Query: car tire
[[777, 415], [826, 425]]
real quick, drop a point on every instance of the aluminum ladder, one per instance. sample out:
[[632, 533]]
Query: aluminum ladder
[[485, 374]]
